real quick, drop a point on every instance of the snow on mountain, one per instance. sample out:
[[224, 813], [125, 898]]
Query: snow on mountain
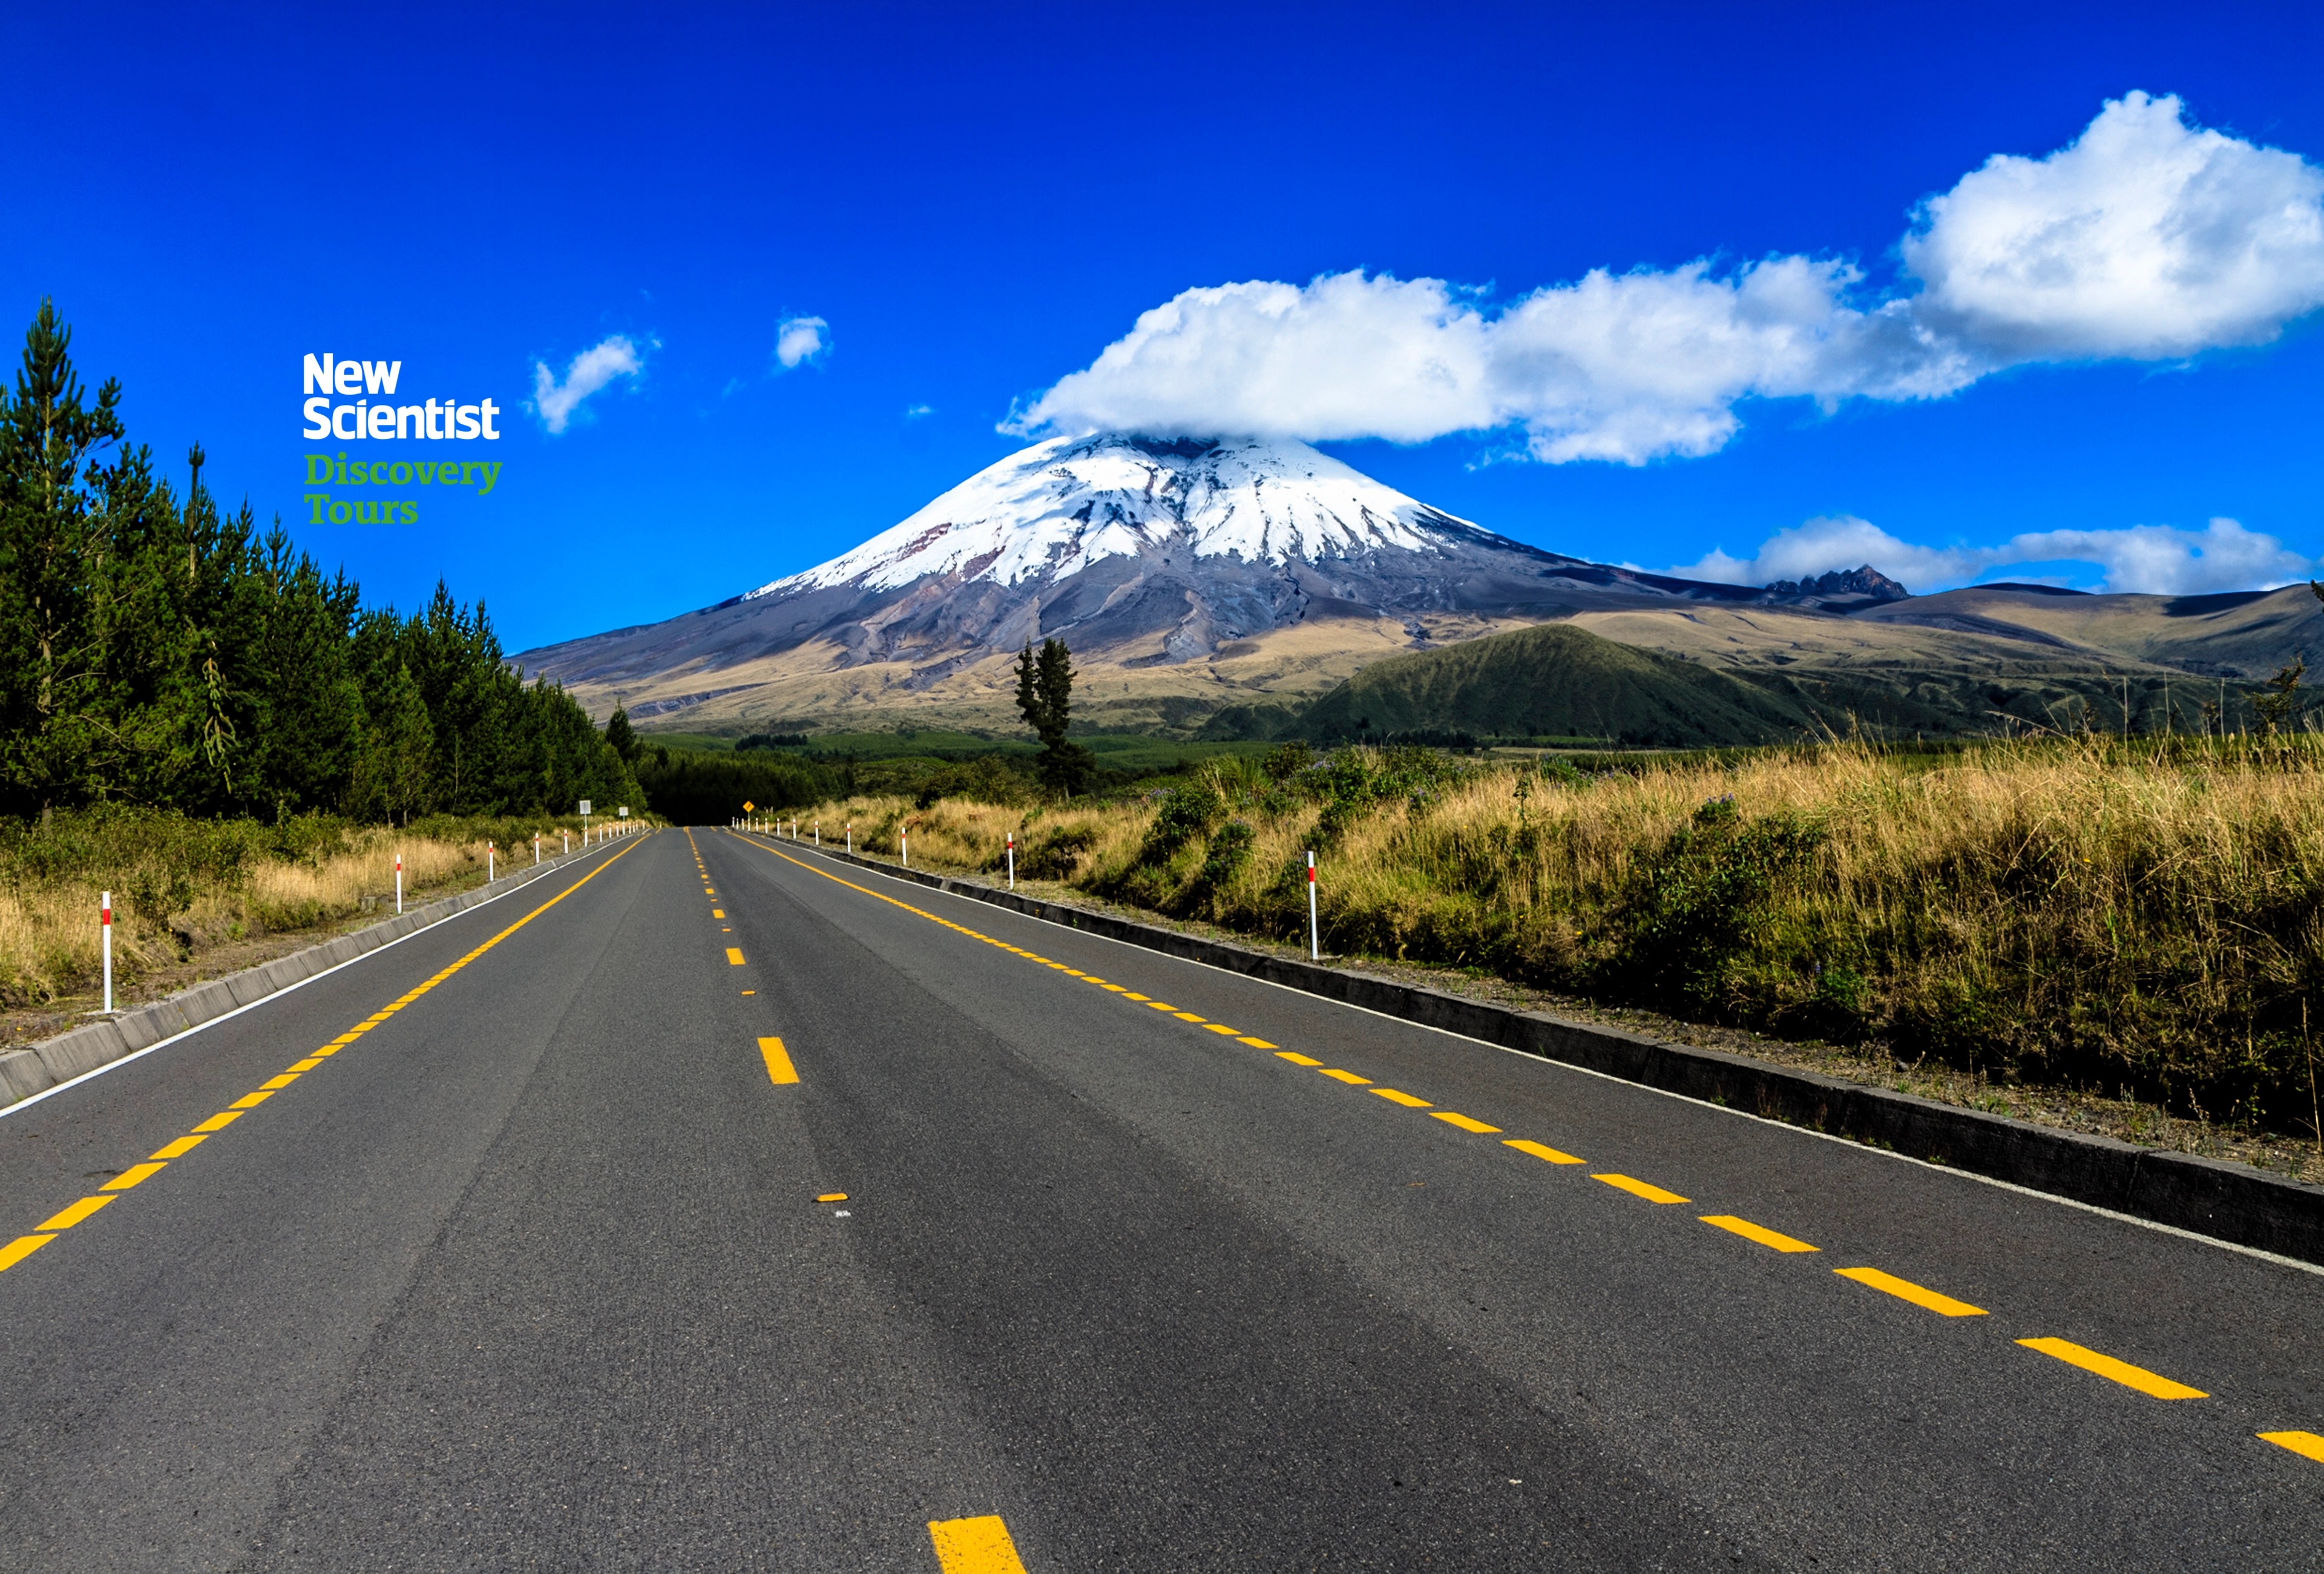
[[1067, 505]]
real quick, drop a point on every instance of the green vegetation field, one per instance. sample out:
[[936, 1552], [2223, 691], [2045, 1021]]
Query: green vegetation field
[[2123, 917]]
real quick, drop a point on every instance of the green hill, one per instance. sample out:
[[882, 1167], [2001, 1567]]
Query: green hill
[[1559, 682], [1554, 681]]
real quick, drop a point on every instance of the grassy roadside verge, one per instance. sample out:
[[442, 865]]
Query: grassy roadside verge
[[196, 899], [2100, 935]]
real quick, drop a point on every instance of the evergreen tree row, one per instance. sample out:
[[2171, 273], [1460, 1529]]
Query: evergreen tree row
[[155, 651]]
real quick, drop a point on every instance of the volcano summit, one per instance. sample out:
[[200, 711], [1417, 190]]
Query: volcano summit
[[1186, 574]]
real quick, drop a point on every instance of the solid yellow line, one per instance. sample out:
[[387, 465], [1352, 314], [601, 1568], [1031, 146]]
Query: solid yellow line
[[132, 1177], [1753, 1232], [779, 1061], [733, 956], [22, 1248], [1905, 1289], [2121, 1372], [1350, 1078], [1296, 1060], [1538, 1151], [974, 1546], [1406, 1099], [2306, 1444], [1464, 1122], [1639, 1189], [72, 1215]]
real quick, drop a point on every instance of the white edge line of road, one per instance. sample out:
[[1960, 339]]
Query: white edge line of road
[[1852, 1145], [23, 1104]]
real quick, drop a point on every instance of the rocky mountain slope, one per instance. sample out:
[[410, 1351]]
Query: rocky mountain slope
[[1187, 575]]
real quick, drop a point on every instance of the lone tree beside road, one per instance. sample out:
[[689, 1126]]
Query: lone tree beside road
[[1044, 691]]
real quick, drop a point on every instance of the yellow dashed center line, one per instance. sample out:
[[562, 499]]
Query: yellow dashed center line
[[1905, 1289], [1639, 1189], [974, 1546], [75, 1213], [1348, 1076], [733, 956], [2107, 1366], [779, 1069], [1463, 1121], [135, 1175], [1539, 1151], [182, 1146], [1406, 1099], [2306, 1444], [1297, 1058], [1751, 1232]]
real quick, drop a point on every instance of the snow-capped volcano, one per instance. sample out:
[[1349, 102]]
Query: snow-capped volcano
[[1065, 505], [1150, 556]]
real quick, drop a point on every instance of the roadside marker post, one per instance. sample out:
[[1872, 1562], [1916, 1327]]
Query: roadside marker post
[[105, 922], [568, 842], [1314, 943], [399, 882], [904, 848], [536, 848], [490, 865], [818, 833], [1012, 860], [850, 835]]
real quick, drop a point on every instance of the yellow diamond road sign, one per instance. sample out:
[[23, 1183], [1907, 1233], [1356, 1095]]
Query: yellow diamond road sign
[[748, 806]]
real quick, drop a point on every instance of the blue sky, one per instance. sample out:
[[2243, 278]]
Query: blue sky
[[977, 203]]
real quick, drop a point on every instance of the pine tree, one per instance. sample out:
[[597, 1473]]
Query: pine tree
[[1045, 691]]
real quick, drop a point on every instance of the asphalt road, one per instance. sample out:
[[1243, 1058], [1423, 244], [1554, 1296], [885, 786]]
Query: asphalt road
[[1138, 1265]]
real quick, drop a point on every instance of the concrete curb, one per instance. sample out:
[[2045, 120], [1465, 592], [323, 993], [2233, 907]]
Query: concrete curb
[[2208, 1197], [52, 1062]]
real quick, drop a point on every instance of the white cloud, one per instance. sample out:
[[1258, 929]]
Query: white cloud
[[917, 411], [2155, 559], [592, 369], [801, 339], [2146, 239]]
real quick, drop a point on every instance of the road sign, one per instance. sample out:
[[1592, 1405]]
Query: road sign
[[748, 806], [585, 806], [625, 811]]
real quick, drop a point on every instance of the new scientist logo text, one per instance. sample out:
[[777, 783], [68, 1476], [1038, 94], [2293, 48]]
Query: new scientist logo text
[[385, 422], [369, 412]]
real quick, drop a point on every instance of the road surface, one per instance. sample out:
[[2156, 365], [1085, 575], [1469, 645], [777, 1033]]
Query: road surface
[[717, 1206]]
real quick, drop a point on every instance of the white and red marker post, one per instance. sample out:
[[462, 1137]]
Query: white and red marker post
[[536, 848], [399, 882], [105, 922], [1012, 860], [904, 846], [1314, 943], [489, 865]]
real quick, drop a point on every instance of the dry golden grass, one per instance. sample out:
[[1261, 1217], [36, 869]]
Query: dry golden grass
[[2088, 915], [171, 902]]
